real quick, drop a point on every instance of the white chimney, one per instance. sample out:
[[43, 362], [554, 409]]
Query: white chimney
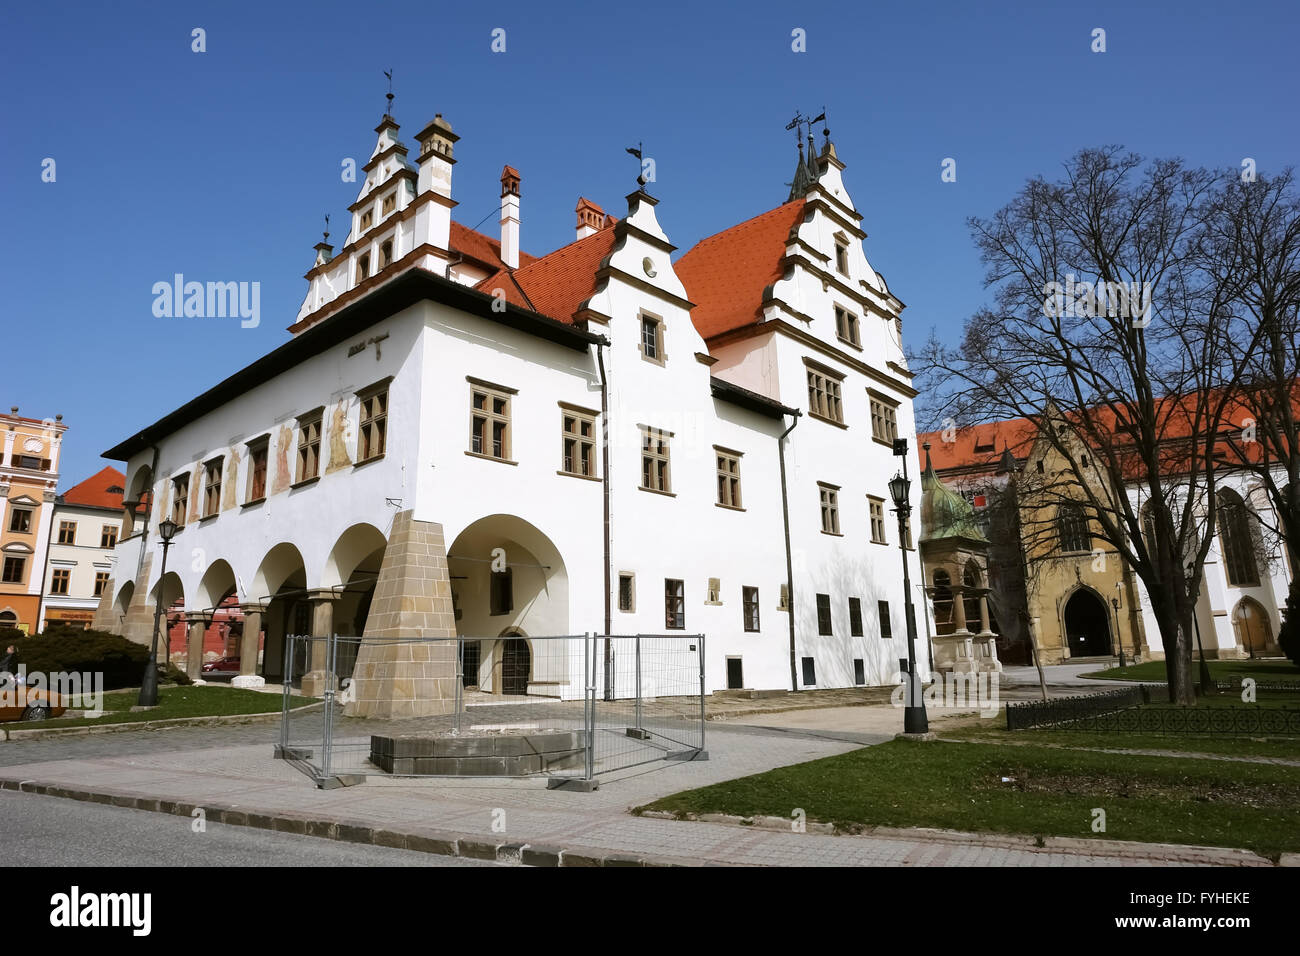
[[510, 217]]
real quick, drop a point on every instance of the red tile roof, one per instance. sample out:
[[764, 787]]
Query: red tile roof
[[473, 244], [94, 491], [725, 274], [977, 447], [557, 284]]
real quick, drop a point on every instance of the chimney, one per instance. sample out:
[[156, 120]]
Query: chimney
[[591, 218], [510, 217]]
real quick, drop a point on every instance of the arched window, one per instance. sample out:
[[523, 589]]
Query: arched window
[[1072, 528], [942, 597], [972, 581], [1237, 539], [8, 619]]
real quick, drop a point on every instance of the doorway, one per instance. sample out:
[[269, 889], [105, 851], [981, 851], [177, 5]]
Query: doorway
[[735, 674], [1087, 625]]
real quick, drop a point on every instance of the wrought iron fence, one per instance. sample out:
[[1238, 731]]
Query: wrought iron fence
[[1044, 713], [566, 707], [1241, 720]]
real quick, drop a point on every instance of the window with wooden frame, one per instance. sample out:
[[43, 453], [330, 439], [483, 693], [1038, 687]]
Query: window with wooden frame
[[363, 267], [489, 420], [372, 437], [830, 505], [876, 506], [824, 614], [728, 477], [656, 473], [846, 327], [627, 592], [674, 604], [309, 446], [108, 536], [749, 607], [578, 441], [180, 498], [101, 582], [855, 617], [886, 621], [258, 451], [367, 218], [652, 338], [884, 419], [14, 570], [67, 532], [385, 254], [212, 487], [824, 394], [841, 257], [390, 203], [60, 580], [502, 592], [20, 520]]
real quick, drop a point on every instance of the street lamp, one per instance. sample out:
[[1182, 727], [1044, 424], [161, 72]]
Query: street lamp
[[1207, 685], [914, 719], [149, 683]]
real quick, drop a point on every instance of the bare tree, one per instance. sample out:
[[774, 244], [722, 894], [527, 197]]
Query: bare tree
[[1105, 336], [1252, 245]]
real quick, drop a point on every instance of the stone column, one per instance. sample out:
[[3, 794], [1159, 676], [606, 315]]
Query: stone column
[[322, 626], [984, 614], [138, 623], [248, 676], [128, 519], [959, 608], [198, 626], [413, 600]]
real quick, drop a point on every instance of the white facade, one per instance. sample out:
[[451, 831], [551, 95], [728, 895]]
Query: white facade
[[431, 343]]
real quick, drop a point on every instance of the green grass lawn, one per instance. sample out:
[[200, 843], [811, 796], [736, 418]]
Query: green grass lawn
[[1280, 669], [995, 731], [1050, 792], [179, 701]]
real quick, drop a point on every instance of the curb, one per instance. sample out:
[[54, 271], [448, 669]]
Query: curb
[[1125, 849], [438, 842], [213, 721]]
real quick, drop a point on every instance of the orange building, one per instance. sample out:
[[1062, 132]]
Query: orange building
[[29, 479]]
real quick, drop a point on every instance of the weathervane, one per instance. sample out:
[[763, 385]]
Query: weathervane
[[638, 153], [388, 111], [327, 228]]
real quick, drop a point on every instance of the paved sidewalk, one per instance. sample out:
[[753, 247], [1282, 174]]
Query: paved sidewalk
[[501, 820]]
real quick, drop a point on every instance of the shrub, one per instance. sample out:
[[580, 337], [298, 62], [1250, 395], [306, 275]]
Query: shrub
[[67, 649]]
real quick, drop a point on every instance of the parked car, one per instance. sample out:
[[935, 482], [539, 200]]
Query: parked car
[[21, 702], [222, 665]]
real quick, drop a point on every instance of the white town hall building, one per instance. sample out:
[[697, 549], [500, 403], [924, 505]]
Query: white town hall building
[[655, 446]]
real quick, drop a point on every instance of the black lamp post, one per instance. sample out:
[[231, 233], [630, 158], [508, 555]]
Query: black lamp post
[[1207, 685], [149, 683], [914, 718], [1119, 634]]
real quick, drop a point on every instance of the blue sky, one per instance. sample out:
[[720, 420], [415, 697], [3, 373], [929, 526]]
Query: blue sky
[[221, 165]]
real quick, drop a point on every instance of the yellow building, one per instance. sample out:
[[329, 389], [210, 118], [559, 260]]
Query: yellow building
[[29, 478]]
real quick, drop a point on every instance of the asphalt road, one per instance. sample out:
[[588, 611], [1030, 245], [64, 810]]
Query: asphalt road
[[51, 831]]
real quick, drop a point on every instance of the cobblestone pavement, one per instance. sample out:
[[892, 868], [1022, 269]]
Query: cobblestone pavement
[[231, 768]]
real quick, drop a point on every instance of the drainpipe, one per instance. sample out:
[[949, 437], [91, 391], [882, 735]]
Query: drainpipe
[[789, 560], [604, 465], [37, 627]]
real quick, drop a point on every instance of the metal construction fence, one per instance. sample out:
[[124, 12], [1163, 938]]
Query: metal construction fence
[[564, 707]]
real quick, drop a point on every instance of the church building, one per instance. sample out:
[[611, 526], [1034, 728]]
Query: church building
[[464, 439]]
